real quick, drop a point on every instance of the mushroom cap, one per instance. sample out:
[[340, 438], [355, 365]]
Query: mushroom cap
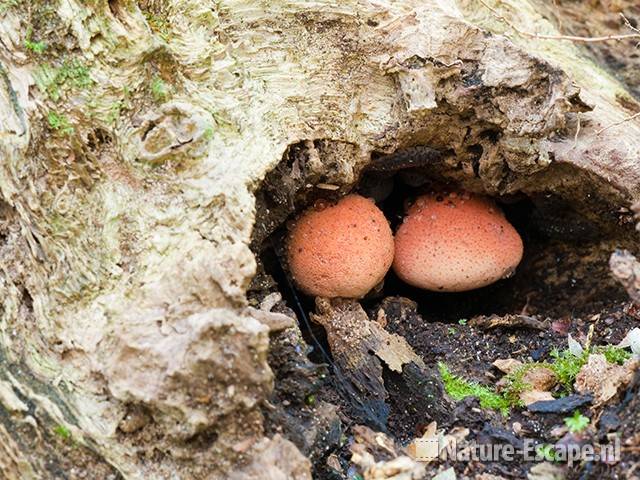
[[341, 250], [454, 243]]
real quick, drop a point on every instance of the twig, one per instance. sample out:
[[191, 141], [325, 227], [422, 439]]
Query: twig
[[571, 38], [575, 137], [628, 23], [624, 120]]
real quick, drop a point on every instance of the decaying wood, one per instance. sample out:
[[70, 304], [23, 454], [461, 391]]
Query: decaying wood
[[506, 321], [361, 348], [626, 269], [133, 136]]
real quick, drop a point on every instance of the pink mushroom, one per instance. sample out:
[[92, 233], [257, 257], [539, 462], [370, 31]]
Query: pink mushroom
[[455, 242], [341, 250]]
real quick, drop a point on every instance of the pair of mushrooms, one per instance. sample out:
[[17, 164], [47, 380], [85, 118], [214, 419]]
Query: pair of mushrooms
[[447, 242]]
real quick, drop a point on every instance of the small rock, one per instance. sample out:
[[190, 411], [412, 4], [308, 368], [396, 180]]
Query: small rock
[[560, 405]]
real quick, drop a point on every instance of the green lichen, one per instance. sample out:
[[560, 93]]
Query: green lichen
[[208, 133]]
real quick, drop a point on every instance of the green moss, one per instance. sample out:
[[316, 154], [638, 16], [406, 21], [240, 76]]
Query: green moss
[[63, 432], [566, 366], [614, 354], [159, 89], [577, 422], [208, 133], [35, 47], [7, 4], [159, 25], [459, 389], [74, 73], [547, 452], [516, 384], [59, 122], [52, 80]]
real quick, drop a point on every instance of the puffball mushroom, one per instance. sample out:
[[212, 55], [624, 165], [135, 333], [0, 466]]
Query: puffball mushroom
[[340, 250], [455, 242]]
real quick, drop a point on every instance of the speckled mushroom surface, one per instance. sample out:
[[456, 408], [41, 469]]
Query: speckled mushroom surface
[[455, 242], [340, 250]]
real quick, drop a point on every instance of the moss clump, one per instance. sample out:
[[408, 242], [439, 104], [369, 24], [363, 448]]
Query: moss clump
[[159, 24], [516, 384], [59, 123], [577, 422], [159, 89], [614, 354], [63, 432], [7, 4], [52, 80], [566, 366], [35, 47], [459, 389]]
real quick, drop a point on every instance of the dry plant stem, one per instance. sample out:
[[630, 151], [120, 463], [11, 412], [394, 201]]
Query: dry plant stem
[[625, 120], [575, 137], [571, 38]]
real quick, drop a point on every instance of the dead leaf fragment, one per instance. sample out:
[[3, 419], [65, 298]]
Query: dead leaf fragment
[[540, 378], [546, 471], [632, 340], [427, 447], [532, 396], [369, 444], [507, 365], [401, 468], [603, 379], [274, 459], [350, 330], [448, 474]]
